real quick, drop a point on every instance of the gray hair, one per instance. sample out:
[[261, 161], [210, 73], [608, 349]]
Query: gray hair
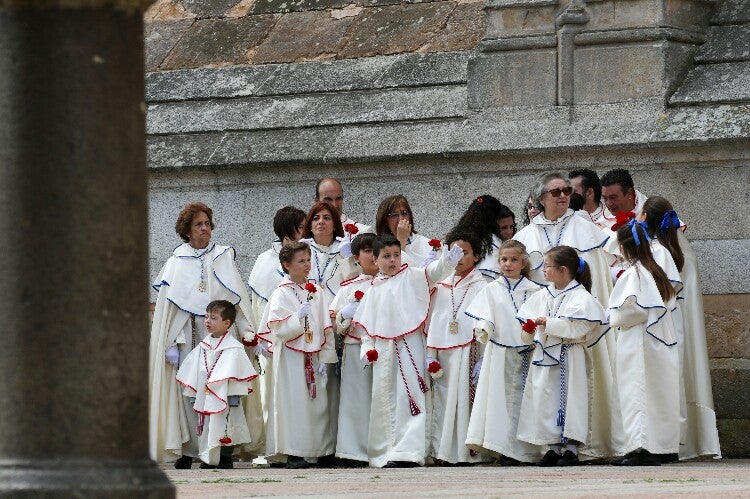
[[540, 189]]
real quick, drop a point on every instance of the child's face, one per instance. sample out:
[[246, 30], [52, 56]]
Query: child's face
[[468, 260], [299, 268], [511, 263], [366, 260], [507, 228], [215, 324], [557, 275], [389, 260]]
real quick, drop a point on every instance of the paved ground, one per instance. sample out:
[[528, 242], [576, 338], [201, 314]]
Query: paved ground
[[725, 478]]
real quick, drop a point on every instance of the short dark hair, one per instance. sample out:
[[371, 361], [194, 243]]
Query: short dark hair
[[619, 176], [287, 252], [226, 309], [384, 241], [363, 241], [589, 180], [286, 221], [185, 218], [464, 234]]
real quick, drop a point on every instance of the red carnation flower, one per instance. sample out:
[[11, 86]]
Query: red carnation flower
[[253, 343], [351, 228], [310, 288], [225, 440], [435, 244], [529, 326], [372, 355], [622, 218], [433, 367], [358, 295]]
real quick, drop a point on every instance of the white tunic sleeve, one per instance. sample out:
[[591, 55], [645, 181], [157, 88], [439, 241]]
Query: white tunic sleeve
[[628, 314]]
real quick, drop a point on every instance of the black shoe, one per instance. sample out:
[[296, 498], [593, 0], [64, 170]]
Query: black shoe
[[618, 460], [296, 463], [183, 463], [642, 459], [668, 458], [225, 463], [508, 461], [205, 466], [277, 465], [550, 459], [568, 459], [400, 464], [328, 461]]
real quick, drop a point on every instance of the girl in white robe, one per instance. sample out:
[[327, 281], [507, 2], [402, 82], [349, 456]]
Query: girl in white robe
[[392, 315], [699, 435], [647, 364], [505, 364], [453, 353], [356, 375], [563, 320], [295, 321]]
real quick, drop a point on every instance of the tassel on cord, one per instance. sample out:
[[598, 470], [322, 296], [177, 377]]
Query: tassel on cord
[[310, 376], [563, 390], [420, 379], [199, 428], [413, 407]]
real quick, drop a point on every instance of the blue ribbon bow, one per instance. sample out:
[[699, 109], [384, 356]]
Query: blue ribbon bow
[[581, 264], [633, 224], [669, 220]]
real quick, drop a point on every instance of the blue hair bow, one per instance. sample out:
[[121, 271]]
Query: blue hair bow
[[633, 224], [669, 220], [581, 264]]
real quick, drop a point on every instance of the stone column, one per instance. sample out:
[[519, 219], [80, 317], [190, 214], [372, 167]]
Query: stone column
[[73, 292]]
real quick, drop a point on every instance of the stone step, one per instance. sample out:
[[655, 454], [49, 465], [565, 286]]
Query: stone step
[[301, 111], [715, 83], [308, 77], [732, 12], [726, 43]]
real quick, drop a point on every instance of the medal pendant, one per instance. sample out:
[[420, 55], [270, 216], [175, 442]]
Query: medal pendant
[[202, 287], [454, 327], [308, 336]]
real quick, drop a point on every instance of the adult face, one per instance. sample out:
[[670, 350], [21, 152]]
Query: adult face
[[395, 216], [331, 192], [616, 199], [200, 231], [556, 198], [531, 210], [507, 228], [322, 227]]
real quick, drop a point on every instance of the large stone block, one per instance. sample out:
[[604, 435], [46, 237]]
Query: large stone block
[[727, 325], [733, 12], [270, 6], [734, 435], [726, 43], [715, 83], [207, 83], [638, 14], [395, 29], [203, 8], [303, 36], [219, 42], [730, 379], [513, 78], [509, 18], [463, 29], [161, 37], [611, 73]]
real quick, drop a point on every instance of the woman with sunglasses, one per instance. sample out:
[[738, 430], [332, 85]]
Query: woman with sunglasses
[[558, 225], [394, 217]]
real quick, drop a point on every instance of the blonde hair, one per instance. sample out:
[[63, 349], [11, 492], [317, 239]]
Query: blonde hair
[[512, 244]]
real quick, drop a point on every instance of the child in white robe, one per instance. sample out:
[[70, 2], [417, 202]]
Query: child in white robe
[[215, 374], [392, 315], [562, 320], [646, 366], [356, 376], [506, 360], [453, 354], [295, 320]]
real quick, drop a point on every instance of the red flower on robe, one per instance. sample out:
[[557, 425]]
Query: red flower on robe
[[433, 367], [310, 288], [253, 343], [435, 244], [372, 355], [358, 295], [351, 228], [225, 440], [529, 326]]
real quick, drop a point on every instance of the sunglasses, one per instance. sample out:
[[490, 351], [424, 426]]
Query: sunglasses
[[556, 193]]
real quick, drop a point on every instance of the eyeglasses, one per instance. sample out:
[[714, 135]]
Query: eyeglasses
[[545, 266], [398, 214], [556, 193], [530, 207]]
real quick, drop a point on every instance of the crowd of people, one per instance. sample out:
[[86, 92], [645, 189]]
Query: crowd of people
[[579, 337]]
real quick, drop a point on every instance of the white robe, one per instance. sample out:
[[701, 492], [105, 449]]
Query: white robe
[[298, 422], [458, 353], [178, 305], [489, 267], [494, 418], [646, 370], [356, 376], [214, 370], [560, 398], [417, 251], [392, 315], [361, 228]]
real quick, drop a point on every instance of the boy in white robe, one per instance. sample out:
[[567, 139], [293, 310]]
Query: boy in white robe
[[562, 320], [295, 321], [392, 315], [506, 360], [215, 374], [453, 353], [356, 375], [647, 364]]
